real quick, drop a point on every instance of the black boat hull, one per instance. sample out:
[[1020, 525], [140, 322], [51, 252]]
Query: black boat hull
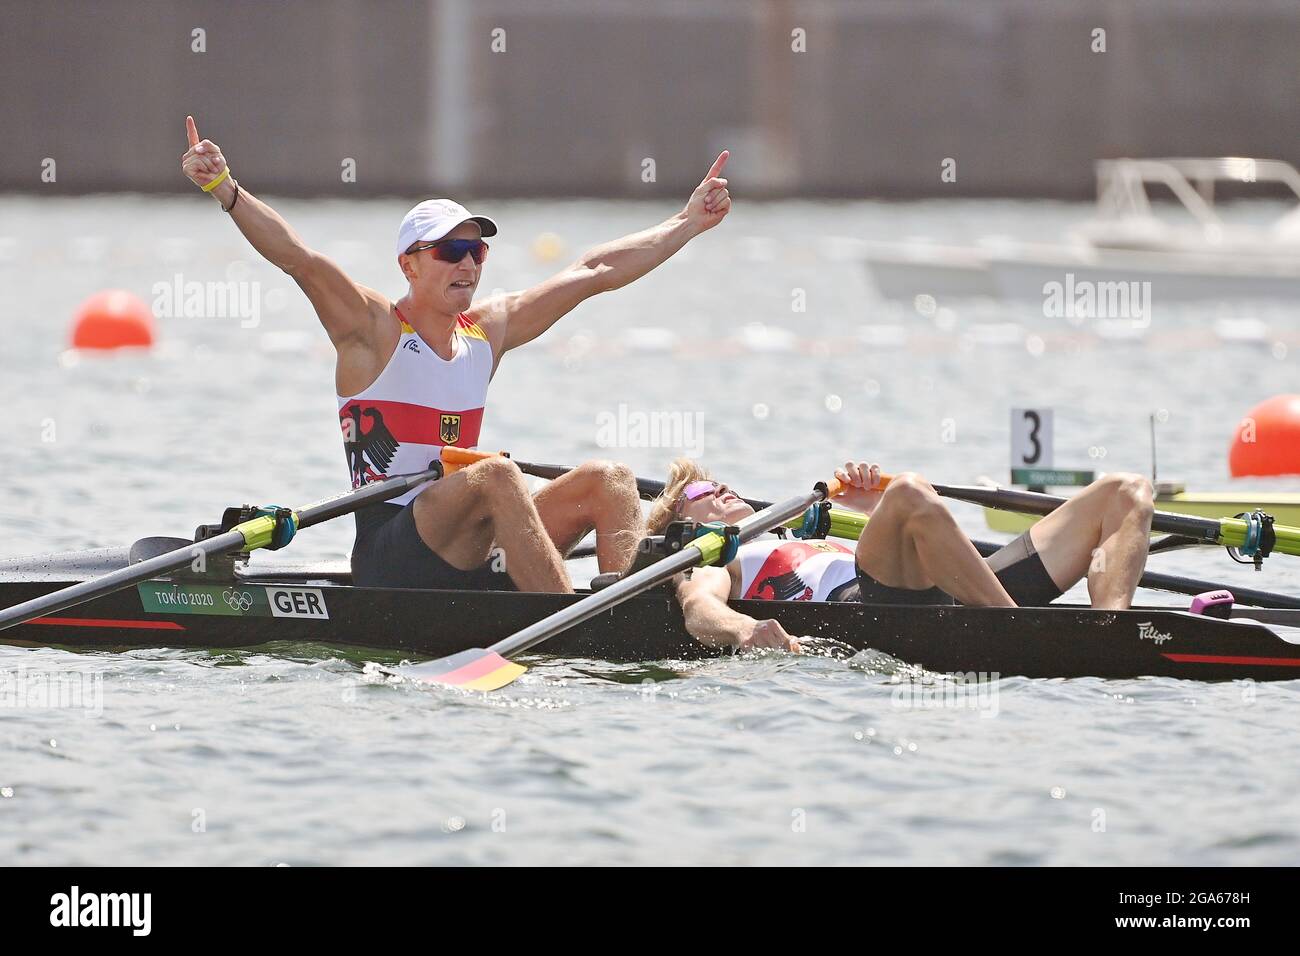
[[1059, 641]]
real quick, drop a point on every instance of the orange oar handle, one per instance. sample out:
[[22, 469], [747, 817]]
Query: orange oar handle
[[454, 459], [837, 488]]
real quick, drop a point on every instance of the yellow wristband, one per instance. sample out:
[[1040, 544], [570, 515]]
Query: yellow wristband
[[225, 174]]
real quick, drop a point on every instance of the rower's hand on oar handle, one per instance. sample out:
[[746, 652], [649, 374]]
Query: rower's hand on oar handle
[[710, 202], [454, 458], [203, 163], [862, 486], [767, 634]]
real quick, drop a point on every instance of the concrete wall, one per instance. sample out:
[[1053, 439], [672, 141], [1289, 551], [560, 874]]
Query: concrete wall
[[585, 90]]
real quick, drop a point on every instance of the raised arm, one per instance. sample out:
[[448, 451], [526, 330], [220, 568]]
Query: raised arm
[[345, 308], [709, 620], [610, 266]]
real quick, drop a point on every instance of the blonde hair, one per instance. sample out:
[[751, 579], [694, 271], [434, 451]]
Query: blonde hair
[[664, 509]]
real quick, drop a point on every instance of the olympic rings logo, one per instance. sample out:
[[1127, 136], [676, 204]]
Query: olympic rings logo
[[238, 600]]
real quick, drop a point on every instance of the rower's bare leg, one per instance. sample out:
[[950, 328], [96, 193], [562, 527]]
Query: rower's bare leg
[[599, 495], [461, 516], [1102, 532], [913, 541]]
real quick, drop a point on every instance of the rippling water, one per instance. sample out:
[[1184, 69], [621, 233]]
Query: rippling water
[[304, 754]]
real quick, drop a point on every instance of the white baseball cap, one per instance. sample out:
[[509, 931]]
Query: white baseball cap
[[432, 219]]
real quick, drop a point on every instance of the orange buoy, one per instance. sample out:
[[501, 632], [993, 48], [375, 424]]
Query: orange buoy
[[1267, 441], [113, 319]]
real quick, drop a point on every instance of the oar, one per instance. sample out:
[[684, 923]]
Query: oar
[[649, 489], [489, 668], [246, 536], [1228, 532]]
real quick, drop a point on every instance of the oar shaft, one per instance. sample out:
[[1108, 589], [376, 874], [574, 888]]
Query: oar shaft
[[647, 488], [662, 570], [375, 493], [1228, 532], [117, 580], [255, 533], [1208, 530]]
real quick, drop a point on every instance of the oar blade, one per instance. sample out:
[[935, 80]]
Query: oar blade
[[474, 669]]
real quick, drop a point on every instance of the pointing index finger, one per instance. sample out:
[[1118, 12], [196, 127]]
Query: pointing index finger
[[191, 131], [718, 163]]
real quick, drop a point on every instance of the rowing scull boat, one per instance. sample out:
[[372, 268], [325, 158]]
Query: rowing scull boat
[[319, 605]]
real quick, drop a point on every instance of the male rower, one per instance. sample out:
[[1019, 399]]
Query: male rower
[[912, 551], [412, 376]]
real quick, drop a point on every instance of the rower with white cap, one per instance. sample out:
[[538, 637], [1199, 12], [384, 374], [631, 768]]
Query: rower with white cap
[[412, 376]]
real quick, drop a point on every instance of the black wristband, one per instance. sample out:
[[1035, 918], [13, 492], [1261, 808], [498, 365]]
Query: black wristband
[[235, 200]]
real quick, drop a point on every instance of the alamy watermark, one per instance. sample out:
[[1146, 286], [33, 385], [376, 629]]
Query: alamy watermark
[[1080, 299], [973, 690], [630, 428], [74, 908], [233, 299], [21, 689]]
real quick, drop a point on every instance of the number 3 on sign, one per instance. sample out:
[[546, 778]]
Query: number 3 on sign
[[1031, 438]]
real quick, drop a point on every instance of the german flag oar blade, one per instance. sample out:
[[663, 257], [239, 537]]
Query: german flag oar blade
[[475, 669]]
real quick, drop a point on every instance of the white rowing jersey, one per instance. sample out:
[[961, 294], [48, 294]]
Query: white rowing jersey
[[419, 403], [790, 570]]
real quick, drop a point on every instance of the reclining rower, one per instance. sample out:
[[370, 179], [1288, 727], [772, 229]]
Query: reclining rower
[[911, 552]]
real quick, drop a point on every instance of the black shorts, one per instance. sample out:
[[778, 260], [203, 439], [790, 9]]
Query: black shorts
[[1017, 565], [389, 553]]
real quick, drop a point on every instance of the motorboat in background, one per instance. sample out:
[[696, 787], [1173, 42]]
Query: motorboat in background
[[1194, 256]]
